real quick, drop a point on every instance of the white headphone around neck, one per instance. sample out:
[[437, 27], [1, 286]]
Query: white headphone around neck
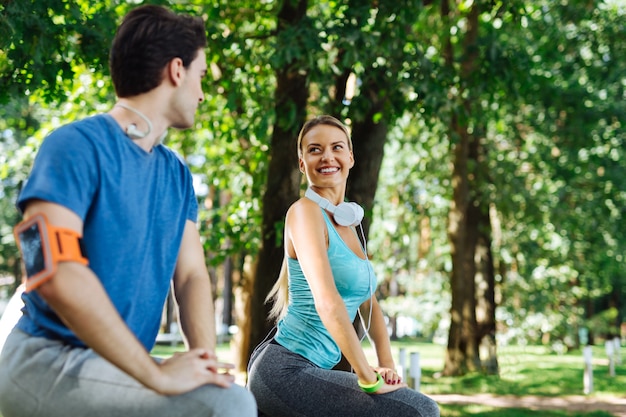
[[345, 214], [132, 130]]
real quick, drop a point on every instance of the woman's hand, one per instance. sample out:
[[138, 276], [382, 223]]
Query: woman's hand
[[393, 381], [390, 376]]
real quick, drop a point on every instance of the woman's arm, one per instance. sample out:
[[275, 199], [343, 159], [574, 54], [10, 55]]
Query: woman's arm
[[379, 336]]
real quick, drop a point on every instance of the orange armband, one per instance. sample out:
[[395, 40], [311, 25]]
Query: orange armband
[[43, 246]]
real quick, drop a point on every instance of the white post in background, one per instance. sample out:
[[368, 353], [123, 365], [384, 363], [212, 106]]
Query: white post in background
[[617, 349], [609, 347], [402, 364], [588, 373], [415, 370]]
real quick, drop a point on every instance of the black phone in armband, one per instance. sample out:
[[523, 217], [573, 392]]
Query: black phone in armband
[[43, 246]]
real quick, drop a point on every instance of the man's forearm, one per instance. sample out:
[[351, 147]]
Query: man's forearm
[[79, 299], [197, 313]]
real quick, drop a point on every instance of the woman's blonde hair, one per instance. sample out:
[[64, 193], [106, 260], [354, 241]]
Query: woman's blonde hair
[[279, 293], [322, 120]]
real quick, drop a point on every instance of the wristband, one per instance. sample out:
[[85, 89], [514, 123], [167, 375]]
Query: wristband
[[371, 388]]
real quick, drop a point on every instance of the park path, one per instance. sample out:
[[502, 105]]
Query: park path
[[615, 406]]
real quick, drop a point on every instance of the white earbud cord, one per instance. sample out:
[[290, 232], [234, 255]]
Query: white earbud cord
[[132, 130], [369, 282]]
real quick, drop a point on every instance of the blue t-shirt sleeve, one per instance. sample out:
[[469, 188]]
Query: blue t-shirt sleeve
[[192, 199], [193, 209], [64, 172]]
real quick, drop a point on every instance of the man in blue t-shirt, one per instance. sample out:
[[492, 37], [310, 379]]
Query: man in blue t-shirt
[[109, 225]]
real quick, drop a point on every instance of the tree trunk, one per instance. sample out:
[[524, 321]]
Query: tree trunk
[[283, 181], [485, 279], [461, 339], [368, 137], [394, 291], [462, 351], [227, 295], [484, 274], [485, 298]]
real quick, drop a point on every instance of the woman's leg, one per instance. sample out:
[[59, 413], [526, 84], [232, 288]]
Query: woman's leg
[[287, 385]]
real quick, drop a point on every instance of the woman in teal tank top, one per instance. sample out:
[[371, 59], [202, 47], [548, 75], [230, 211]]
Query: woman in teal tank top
[[326, 279]]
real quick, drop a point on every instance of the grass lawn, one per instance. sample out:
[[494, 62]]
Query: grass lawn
[[482, 411], [524, 370], [529, 370]]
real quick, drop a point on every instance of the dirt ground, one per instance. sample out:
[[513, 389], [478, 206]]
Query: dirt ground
[[615, 406]]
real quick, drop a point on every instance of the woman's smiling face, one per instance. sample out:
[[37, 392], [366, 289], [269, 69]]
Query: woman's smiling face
[[326, 156]]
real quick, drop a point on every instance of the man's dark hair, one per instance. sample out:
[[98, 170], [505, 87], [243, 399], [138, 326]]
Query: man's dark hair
[[149, 38]]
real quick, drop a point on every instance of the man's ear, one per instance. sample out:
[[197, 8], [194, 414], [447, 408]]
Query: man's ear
[[176, 71]]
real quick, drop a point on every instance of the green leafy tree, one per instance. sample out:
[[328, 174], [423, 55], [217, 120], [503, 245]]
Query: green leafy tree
[[44, 42], [568, 158]]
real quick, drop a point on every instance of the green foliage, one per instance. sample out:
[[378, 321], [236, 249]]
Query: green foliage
[[232, 142], [603, 323], [559, 169], [44, 40], [548, 106], [412, 190]]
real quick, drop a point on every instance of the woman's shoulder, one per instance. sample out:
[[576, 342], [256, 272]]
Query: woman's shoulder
[[304, 207], [305, 216], [305, 224]]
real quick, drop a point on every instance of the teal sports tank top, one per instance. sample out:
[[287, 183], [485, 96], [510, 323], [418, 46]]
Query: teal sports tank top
[[301, 330]]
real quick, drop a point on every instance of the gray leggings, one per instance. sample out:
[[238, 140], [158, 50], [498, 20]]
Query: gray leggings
[[45, 378], [287, 385]]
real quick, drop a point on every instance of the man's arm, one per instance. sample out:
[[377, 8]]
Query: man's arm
[[192, 288], [80, 300]]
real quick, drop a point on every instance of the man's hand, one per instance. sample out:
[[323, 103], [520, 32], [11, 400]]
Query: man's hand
[[186, 371]]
